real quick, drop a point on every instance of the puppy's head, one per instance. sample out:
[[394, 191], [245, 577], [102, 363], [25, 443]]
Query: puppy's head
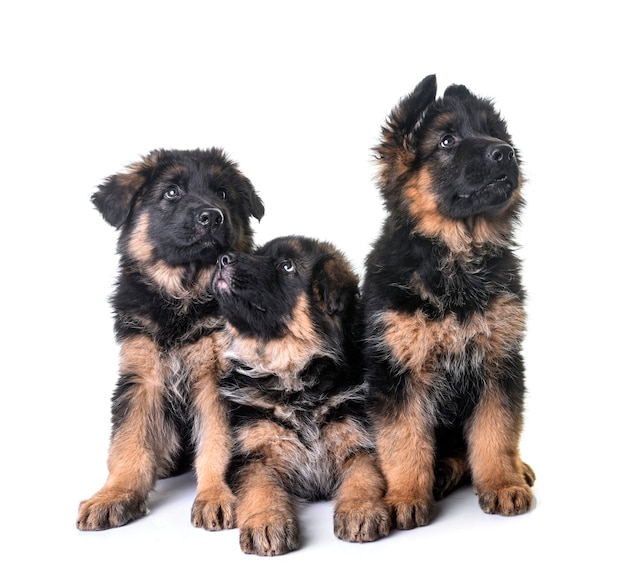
[[180, 208], [291, 286], [450, 158]]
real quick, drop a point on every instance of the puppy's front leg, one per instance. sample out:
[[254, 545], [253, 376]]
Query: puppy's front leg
[[267, 518], [406, 451], [501, 480], [214, 506], [143, 444], [361, 514]]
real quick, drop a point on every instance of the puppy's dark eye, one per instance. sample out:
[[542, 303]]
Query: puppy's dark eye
[[172, 192], [287, 266], [447, 141], [221, 194]]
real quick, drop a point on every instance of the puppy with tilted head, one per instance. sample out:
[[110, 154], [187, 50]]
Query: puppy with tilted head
[[444, 307], [177, 213], [294, 394]]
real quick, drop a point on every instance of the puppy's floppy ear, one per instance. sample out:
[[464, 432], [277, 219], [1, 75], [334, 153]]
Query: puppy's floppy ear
[[334, 284], [257, 209], [116, 196]]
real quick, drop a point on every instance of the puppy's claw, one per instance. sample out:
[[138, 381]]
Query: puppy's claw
[[363, 524], [507, 501], [276, 538], [213, 514], [409, 515]]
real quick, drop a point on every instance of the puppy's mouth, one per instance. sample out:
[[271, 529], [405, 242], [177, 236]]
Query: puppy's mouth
[[222, 281], [501, 182]]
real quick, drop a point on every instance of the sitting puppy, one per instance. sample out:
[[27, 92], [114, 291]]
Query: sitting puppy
[[444, 307], [294, 394], [177, 212]]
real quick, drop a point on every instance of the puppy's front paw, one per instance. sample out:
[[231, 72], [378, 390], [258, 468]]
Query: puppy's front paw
[[413, 513], [214, 511], [362, 522], [108, 509], [269, 534], [507, 501]]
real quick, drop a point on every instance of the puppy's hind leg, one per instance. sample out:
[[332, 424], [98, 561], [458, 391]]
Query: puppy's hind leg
[[451, 473]]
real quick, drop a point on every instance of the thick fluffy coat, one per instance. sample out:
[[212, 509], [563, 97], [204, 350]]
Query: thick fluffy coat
[[444, 307], [177, 212], [295, 396]]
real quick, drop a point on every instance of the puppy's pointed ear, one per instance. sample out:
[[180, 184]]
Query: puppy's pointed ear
[[334, 284], [115, 198], [411, 108], [396, 149], [405, 117]]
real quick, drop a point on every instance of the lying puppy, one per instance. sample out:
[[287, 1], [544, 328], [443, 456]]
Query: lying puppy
[[177, 212], [294, 394], [444, 307]]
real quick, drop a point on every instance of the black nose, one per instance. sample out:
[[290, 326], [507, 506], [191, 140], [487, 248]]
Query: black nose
[[225, 260], [210, 217], [500, 152]]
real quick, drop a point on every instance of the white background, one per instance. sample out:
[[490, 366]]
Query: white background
[[296, 93]]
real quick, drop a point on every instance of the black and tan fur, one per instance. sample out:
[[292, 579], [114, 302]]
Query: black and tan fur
[[177, 212], [444, 307], [295, 396]]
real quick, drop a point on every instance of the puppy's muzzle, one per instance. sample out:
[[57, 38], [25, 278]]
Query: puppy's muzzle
[[223, 276]]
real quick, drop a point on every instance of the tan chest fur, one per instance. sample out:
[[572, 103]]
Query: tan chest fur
[[417, 343]]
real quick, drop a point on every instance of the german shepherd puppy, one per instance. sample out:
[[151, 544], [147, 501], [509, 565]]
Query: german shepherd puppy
[[294, 392], [177, 212], [444, 307]]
